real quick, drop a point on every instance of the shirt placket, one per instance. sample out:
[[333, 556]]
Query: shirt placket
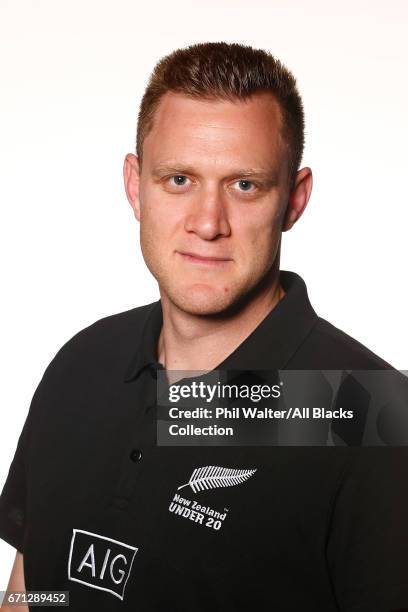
[[141, 398]]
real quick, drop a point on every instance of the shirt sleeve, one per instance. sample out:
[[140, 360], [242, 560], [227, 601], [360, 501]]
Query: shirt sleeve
[[367, 548], [13, 498]]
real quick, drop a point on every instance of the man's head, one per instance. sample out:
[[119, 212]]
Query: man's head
[[222, 71], [220, 139]]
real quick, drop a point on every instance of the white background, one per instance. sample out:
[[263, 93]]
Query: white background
[[72, 74]]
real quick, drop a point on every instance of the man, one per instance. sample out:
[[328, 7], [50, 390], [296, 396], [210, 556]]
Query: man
[[92, 503]]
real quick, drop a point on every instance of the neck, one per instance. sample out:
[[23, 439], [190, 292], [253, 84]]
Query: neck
[[199, 343]]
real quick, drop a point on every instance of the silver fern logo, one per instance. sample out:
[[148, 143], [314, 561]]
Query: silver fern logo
[[213, 476]]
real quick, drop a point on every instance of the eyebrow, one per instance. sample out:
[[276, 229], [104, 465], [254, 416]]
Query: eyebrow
[[177, 168]]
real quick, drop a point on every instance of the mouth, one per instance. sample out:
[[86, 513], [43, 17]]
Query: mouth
[[204, 259]]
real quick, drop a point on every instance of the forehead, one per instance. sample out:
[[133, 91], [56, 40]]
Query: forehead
[[247, 131]]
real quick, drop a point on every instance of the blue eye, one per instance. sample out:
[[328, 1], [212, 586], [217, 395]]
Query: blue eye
[[245, 185], [179, 179]]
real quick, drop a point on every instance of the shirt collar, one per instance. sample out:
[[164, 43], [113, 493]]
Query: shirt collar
[[270, 346]]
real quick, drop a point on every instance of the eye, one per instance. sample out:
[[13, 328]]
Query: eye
[[245, 186], [178, 180]]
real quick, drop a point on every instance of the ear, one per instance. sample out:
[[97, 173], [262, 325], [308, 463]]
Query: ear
[[131, 176], [298, 198]]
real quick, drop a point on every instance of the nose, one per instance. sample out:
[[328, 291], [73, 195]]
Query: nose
[[208, 217]]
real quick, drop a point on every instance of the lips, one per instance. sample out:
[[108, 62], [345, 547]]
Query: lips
[[205, 259]]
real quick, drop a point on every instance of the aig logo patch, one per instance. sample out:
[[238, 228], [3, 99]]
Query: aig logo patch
[[100, 562]]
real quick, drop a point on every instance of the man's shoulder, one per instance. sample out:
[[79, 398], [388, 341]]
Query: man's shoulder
[[110, 338], [328, 347], [117, 324], [114, 327]]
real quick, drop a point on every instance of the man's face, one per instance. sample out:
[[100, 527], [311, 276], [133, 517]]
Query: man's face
[[211, 198]]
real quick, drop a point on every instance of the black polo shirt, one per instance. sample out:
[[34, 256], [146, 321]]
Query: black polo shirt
[[99, 509]]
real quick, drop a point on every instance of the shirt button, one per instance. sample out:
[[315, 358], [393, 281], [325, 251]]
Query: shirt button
[[136, 455]]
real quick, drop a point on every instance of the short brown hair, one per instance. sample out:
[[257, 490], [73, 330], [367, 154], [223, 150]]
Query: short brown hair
[[220, 70]]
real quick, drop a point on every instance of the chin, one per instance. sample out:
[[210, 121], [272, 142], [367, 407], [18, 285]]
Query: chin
[[202, 300]]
